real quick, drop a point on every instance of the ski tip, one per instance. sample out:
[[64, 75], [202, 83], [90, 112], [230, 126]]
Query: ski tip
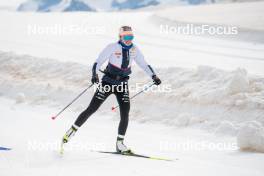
[[4, 148], [61, 149], [163, 159], [61, 152]]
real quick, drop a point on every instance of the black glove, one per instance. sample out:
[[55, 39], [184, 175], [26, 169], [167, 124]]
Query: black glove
[[95, 78], [156, 80]]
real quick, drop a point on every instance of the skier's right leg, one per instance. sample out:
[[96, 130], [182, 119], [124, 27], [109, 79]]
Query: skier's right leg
[[98, 98]]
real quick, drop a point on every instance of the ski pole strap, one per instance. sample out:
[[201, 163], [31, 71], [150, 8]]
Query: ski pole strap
[[94, 69], [151, 69], [102, 71]]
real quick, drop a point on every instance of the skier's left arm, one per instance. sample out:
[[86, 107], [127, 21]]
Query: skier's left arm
[[141, 62]]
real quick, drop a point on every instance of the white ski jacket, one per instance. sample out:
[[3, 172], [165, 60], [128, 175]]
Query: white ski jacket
[[113, 53]]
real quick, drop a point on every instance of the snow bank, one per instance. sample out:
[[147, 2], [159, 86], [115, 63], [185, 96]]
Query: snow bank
[[201, 86], [206, 97], [226, 128], [251, 137], [204, 85], [207, 85], [20, 98]]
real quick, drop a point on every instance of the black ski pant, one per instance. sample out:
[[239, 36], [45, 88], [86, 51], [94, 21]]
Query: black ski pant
[[100, 96]]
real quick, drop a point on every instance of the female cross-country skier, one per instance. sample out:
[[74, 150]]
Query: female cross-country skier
[[120, 56]]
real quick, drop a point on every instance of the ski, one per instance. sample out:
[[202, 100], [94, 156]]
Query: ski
[[132, 154], [4, 148], [62, 148]]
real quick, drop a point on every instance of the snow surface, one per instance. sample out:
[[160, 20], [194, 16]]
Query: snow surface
[[174, 50], [35, 147], [226, 14]]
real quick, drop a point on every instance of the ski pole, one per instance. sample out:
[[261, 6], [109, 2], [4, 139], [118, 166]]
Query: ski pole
[[54, 117], [146, 88]]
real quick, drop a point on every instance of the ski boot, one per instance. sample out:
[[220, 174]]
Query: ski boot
[[121, 147], [69, 134]]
